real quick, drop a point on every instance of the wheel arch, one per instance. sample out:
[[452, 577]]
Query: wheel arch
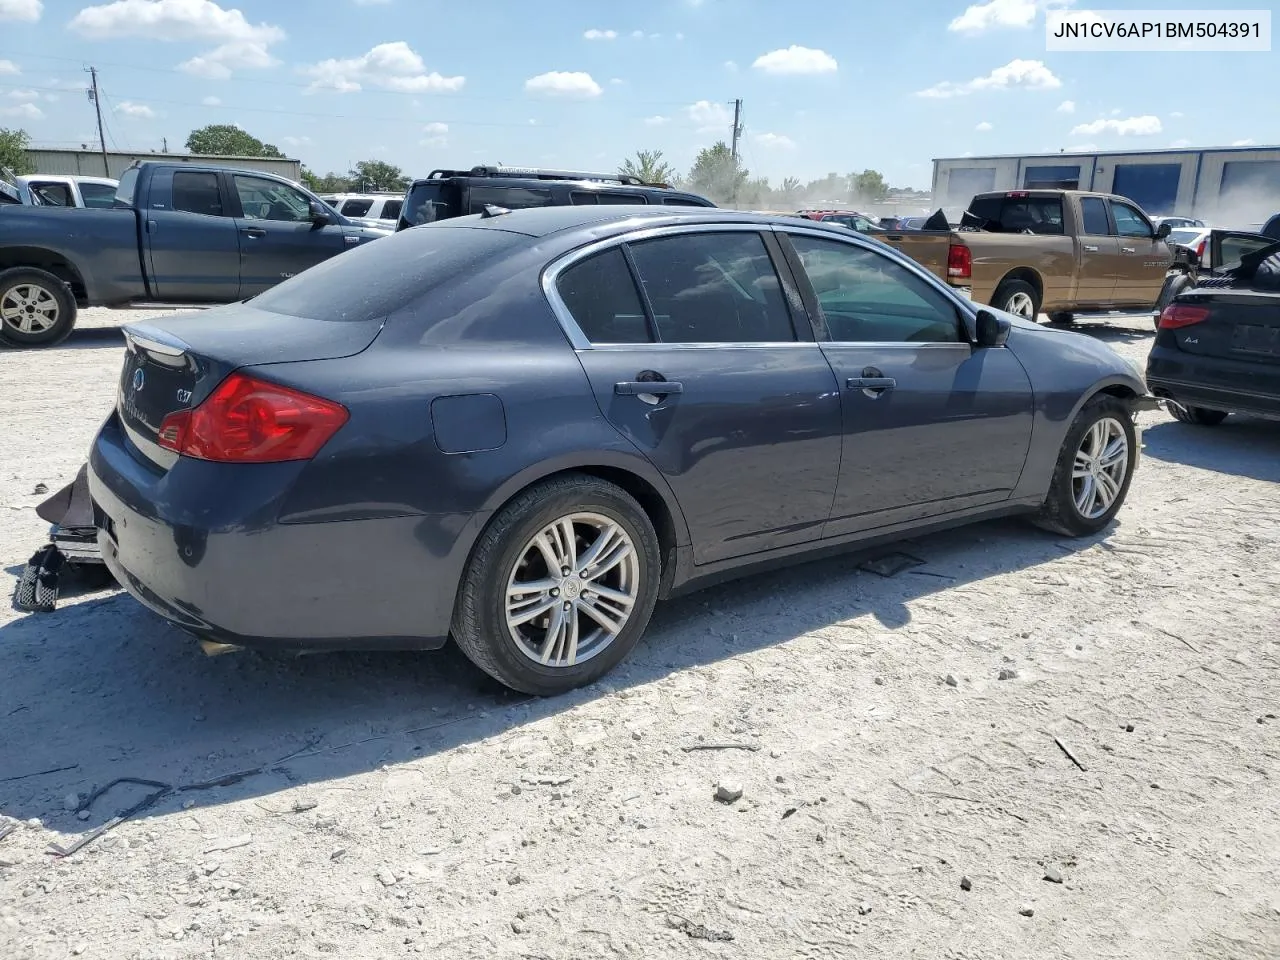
[[1027, 275], [42, 258]]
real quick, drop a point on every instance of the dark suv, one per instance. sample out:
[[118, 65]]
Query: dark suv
[[455, 193]]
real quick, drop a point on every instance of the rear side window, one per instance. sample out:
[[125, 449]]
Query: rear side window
[[602, 297], [1093, 213], [196, 192], [512, 198], [376, 279], [429, 201], [391, 210], [680, 202], [713, 288], [98, 194], [594, 197], [356, 208], [128, 183], [53, 194]]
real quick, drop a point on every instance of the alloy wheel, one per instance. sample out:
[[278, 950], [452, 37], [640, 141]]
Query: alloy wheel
[[1021, 305], [1101, 463], [572, 590], [29, 308]]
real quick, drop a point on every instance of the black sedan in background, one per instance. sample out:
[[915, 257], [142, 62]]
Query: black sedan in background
[[521, 429], [1217, 347]]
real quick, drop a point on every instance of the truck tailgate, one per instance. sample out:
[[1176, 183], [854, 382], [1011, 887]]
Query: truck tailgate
[[926, 247]]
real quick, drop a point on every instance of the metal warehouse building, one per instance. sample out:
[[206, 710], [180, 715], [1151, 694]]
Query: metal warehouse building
[[1227, 186], [88, 163]]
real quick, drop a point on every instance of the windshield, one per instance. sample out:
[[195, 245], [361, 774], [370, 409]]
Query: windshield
[[429, 201]]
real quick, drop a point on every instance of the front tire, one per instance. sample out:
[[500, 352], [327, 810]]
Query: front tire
[[1094, 469], [1019, 298], [36, 308], [560, 586], [1200, 416]]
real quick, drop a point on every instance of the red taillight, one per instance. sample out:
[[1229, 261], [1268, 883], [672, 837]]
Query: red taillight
[[1017, 193], [1180, 315], [246, 420], [959, 262], [1200, 248]]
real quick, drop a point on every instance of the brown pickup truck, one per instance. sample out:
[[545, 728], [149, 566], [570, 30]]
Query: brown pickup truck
[[1058, 251]]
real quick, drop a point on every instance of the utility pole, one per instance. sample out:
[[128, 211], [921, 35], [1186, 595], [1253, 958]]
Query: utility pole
[[737, 126], [97, 105], [165, 141]]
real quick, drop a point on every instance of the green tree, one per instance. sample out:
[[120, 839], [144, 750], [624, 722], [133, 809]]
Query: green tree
[[717, 174], [869, 185], [376, 175], [13, 151], [649, 166], [789, 192], [228, 140], [329, 183]]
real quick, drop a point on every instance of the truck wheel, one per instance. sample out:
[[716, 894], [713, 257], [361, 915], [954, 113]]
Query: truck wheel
[[1019, 298], [36, 308], [1173, 285]]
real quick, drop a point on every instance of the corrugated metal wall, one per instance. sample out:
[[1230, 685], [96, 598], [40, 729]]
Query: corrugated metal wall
[[88, 163]]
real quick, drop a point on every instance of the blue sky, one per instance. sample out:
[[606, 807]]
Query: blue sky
[[826, 86]]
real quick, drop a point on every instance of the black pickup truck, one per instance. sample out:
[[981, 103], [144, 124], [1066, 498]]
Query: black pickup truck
[[180, 233]]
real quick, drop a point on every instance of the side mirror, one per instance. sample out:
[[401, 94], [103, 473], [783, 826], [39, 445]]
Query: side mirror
[[1163, 231], [320, 214], [993, 331]]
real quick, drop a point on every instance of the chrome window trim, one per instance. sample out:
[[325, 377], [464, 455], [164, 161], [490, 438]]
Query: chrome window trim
[[579, 340]]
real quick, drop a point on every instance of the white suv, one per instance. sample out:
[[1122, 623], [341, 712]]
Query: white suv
[[373, 209]]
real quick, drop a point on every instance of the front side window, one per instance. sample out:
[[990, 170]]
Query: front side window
[[713, 288], [868, 298], [391, 209], [510, 198], [98, 194], [263, 199], [603, 299], [196, 192], [680, 202], [1129, 222], [356, 208]]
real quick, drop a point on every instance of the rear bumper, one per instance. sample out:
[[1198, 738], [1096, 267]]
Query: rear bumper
[[199, 546], [1233, 386]]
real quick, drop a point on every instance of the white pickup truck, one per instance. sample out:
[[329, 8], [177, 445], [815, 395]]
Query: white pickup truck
[[59, 190]]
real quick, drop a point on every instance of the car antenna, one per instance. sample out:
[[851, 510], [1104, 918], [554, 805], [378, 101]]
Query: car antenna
[[493, 210]]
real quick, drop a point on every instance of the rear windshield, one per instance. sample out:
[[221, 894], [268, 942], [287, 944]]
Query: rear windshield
[[380, 277], [429, 201], [1018, 214]]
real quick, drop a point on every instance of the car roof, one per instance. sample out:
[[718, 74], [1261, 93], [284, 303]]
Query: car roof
[[544, 221]]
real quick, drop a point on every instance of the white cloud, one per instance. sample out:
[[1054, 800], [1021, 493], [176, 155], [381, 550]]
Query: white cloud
[[8, 68], [1017, 14], [28, 10], [559, 83], [1143, 126], [1026, 74], [1116, 112], [616, 81], [637, 34], [796, 60], [240, 44], [600, 35], [139, 111], [295, 141], [731, 66], [24, 111], [775, 141], [1067, 106], [656, 121], [984, 127], [211, 102], [392, 66], [1177, 114], [709, 116], [435, 134], [1248, 142], [1181, 143]]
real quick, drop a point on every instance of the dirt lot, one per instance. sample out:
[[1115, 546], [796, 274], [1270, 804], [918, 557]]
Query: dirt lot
[[403, 804]]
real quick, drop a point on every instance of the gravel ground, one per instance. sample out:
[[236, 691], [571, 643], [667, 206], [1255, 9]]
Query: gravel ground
[[1114, 797]]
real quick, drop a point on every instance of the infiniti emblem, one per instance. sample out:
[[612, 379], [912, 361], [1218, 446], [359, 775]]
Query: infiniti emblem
[[139, 380]]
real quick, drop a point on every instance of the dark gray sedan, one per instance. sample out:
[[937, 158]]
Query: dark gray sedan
[[524, 428]]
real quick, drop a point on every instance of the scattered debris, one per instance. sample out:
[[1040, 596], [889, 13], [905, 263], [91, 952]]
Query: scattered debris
[[951, 681], [1027, 910], [71, 802], [338, 854], [1008, 673], [231, 843], [879, 681], [727, 791], [518, 926], [38, 773], [890, 564], [387, 877], [6, 829], [697, 931], [1070, 756], [864, 908], [302, 806], [966, 883], [83, 815], [1053, 874], [39, 489], [516, 790], [790, 811], [753, 747], [1128, 728]]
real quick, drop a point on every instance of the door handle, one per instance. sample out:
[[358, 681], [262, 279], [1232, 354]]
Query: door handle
[[1128, 250], [255, 232], [874, 385], [1090, 248], [657, 388]]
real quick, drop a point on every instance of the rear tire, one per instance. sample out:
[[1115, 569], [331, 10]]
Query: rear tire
[[1062, 319], [1019, 298], [1173, 285], [563, 646], [1200, 416], [1074, 506], [37, 308]]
